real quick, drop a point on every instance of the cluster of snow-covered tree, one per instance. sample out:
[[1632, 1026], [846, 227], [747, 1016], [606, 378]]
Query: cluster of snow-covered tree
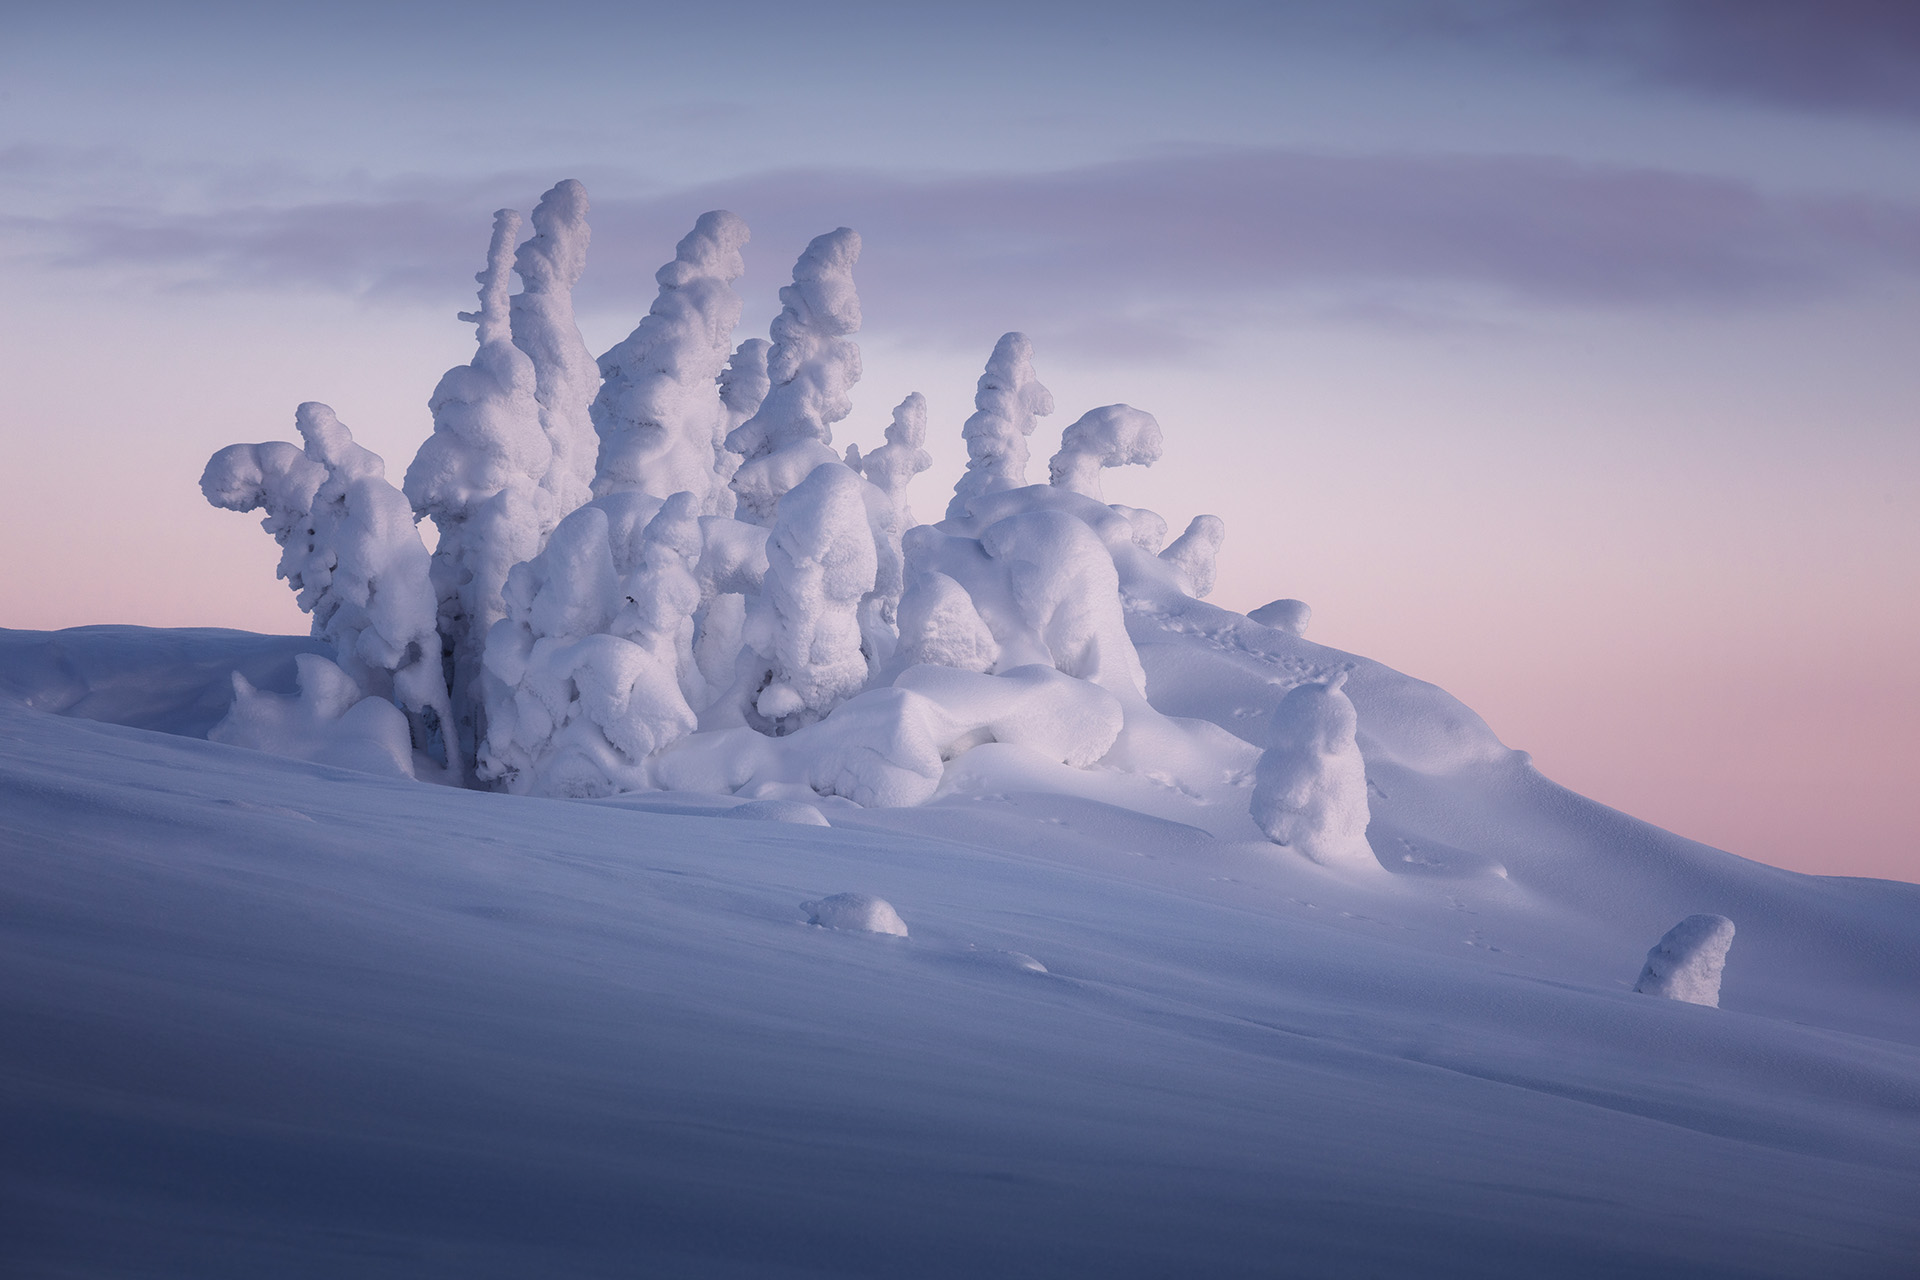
[[654, 570]]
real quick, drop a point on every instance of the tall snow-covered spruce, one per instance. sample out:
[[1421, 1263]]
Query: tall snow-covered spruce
[[481, 477], [1005, 404], [661, 412], [564, 374], [812, 365]]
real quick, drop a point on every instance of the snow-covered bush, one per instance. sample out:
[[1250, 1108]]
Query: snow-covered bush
[[1195, 554], [811, 367], [1114, 435], [661, 413], [354, 560], [565, 377], [330, 721], [481, 478], [1005, 404], [1686, 964], [1310, 787]]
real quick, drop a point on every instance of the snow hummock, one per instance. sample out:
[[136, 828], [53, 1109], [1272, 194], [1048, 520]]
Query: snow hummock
[[1687, 962], [1310, 787], [330, 721], [856, 913], [1290, 616]]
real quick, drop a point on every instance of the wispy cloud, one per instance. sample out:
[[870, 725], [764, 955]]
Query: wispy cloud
[[1155, 247]]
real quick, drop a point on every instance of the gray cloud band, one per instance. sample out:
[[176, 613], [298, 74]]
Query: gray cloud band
[[1103, 255]]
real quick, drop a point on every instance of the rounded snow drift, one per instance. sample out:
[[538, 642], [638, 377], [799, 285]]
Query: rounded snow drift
[[1283, 615], [856, 913], [797, 812]]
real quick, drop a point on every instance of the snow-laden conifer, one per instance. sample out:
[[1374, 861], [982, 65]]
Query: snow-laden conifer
[[1310, 787], [743, 386], [811, 367], [353, 557], [1006, 402], [480, 477], [805, 626], [660, 412], [565, 375], [589, 674], [1195, 554], [889, 469], [1114, 435]]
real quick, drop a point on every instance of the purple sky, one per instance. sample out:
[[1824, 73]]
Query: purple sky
[[1560, 354]]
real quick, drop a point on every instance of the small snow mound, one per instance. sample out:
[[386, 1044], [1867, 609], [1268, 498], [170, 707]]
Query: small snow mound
[[1687, 963], [797, 812], [856, 912], [1283, 615], [1022, 961]]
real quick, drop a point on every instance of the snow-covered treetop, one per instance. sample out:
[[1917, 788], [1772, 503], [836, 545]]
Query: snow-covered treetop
[[566, 377], [1113, 435], [660, 410], [1006, 403], [893, 465], [486, 421], [812, 365]]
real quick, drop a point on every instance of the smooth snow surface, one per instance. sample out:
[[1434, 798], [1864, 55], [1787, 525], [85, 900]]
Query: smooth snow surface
[[1688, 962], [268, 1017]]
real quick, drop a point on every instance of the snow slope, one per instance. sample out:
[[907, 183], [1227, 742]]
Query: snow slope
[[266, 1017]]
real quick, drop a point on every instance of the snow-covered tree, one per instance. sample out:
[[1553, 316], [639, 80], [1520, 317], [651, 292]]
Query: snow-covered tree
[[589, 673], [1114, 435], [889, 469], [811, 367], [1195, 554], [480, 477], [661, 413], [354, 559], [1006, 403], [565, 375], [743, 386], [1310, 787], [805, 626], [1687, 963], [940, 626]]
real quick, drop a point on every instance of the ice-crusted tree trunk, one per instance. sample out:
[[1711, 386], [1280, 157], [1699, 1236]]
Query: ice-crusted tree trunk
[[354, 559], [566, 378], [661, 412], [811, 367], [1310, 787], [1007, 401], [481, 478], [805, 625], [1114, 435], [889, 469]]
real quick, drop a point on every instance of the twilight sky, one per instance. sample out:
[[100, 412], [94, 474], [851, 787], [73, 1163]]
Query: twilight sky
[[1566, 355]]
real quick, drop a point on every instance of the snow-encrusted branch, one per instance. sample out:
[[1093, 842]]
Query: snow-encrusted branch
[[1114, 435]]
